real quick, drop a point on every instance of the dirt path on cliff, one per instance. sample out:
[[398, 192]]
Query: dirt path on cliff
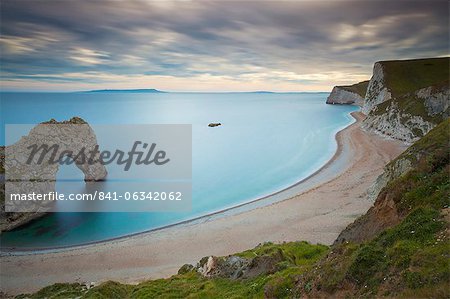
[[326, 203]]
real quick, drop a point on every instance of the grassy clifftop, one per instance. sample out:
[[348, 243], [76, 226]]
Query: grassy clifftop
[[407, 98], [405, 76], [358, 88]]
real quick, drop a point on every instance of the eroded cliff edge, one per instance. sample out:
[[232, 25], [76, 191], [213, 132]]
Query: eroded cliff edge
[[348, 94], [389, 208], [405, 99]]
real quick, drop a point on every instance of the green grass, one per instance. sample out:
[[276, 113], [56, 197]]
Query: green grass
[[358, 88], [408, 257], [405, 76], [435, 142], [192, 285], [416, 107], [109, 290], [295, 253], [408, 105], [296, 258], [57, 291]]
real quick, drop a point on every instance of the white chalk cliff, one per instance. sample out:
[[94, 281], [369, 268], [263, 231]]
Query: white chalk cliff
[[404, 99], [393, 121], [405, 116], [377, 92], [341, 96]]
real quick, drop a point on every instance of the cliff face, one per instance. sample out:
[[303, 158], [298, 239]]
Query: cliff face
[[436, 99], [377, 91], [383, 213], [399, 248], [387, 211], [394, 123], [348, 95], [406, 99], [72, 135], [341, 96]]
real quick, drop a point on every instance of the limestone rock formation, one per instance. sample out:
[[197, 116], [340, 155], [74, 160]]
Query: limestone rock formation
[[405, 99], [236, 267], [377, 91], [226, 267], [348, 95], [26, 174], [71, 137]]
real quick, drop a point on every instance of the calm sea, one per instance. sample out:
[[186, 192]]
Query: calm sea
[[267, 142]]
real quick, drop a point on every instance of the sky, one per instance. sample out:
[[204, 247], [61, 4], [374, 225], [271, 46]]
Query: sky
[[211, 46]]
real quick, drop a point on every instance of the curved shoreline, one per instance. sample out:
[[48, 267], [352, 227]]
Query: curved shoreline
[[317, 212], [357, 117]]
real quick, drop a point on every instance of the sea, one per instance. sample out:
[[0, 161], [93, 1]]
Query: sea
[[267, 142]]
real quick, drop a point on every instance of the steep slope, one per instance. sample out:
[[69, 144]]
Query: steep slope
[[348, 94], [405, 99], [400, 247], [386, 211]]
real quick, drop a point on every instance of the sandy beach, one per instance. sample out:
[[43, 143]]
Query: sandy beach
[[315, 210]]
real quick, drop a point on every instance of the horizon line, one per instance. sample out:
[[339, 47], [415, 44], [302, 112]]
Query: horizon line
[[150, 90]]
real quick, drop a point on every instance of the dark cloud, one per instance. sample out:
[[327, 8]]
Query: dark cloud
[[269, 40]]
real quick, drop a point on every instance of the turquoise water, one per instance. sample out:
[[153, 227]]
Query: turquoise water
[[266, 143]]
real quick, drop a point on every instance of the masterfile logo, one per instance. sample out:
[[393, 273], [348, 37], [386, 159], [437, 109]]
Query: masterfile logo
[[65, 167]]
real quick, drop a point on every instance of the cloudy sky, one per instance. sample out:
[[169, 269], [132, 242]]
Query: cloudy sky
[[211, 46]]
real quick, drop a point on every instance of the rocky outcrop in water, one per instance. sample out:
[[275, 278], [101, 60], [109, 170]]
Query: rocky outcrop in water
[[71, 137], [25, 175]]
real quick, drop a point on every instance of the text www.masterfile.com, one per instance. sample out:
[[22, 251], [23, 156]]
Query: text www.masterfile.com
[[98, 195]]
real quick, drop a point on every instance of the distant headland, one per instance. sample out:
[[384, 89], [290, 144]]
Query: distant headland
[[125, 91], [224, 92]]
